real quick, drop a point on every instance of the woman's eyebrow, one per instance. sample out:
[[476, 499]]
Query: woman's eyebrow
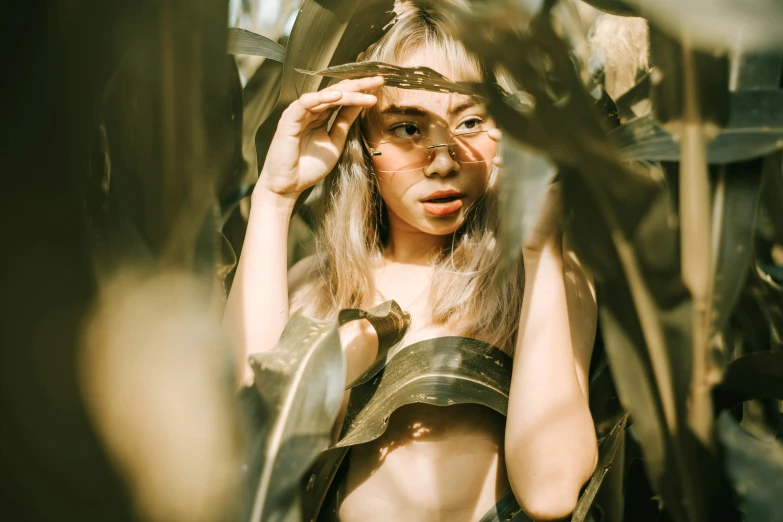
[[415, 110], [404, 109], [462, 107]]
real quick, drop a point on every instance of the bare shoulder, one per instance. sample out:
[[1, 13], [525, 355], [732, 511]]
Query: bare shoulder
[[302, 271]]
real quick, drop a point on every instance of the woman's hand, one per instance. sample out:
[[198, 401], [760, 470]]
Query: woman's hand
[[302, 151], [547, 233]]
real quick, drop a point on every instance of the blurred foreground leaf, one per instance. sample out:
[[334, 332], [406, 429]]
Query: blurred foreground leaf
[[615, 7], [623, 227], [755, 128], [524, 178], [715, 24], [157, 376], [755, 468]]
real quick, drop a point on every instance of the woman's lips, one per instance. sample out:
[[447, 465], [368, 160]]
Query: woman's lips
[[445, 208]]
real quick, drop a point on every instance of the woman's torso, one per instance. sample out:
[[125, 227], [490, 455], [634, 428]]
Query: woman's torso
[[432, 463]]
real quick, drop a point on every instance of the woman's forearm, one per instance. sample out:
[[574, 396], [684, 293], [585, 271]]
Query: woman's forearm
[[257, 307], [550, 438]]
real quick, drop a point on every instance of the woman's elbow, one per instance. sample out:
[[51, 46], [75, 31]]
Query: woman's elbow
[[549, 504], [551, 494]]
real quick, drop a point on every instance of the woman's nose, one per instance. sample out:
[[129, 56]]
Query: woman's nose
[[442, 162]]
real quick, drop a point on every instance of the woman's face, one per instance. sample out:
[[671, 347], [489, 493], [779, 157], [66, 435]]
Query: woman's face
[[426, 183]]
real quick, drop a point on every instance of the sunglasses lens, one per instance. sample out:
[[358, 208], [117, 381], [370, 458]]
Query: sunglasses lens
[[416, 153]]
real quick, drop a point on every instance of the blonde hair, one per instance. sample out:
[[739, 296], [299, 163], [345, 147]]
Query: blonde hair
[[468, 293]]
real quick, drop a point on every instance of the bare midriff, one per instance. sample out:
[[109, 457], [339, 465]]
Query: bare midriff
[[432, 463]]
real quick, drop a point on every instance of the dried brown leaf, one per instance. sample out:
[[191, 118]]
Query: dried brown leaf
[[421, 78]]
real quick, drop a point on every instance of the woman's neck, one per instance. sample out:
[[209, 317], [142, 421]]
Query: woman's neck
[[410, 246]]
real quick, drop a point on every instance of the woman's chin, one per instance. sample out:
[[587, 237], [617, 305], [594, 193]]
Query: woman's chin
[[442, 226]]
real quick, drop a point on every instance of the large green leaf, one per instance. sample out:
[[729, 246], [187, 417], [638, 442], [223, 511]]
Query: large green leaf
[[242, 41], [259, 97], [300, 383], [441, 372]]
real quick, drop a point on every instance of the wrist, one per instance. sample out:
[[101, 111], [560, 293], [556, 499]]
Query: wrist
[[264, 197], [551, 252]]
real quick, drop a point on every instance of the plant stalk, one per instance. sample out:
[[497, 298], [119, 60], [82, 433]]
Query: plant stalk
[[696, 245]]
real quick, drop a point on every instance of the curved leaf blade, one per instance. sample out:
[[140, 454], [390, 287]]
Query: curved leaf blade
[[300, 382], [739, 187], [607, 449], [242, 41], [440, 372], [420, 78]]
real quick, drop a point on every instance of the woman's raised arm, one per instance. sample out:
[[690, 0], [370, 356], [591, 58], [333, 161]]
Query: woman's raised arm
[[551, 447], [303, 151]]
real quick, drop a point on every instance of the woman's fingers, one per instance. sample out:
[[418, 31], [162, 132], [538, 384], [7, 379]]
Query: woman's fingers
[[346, 92], [360, 84], [348, 98], [342, 124], [310, 100], [311, 106], [353, 93]]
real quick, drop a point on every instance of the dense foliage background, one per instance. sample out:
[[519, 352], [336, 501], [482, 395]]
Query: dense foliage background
[[135, 131]]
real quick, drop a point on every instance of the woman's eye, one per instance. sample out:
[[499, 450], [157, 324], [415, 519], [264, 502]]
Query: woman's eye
[[406, 131], [472, 124]]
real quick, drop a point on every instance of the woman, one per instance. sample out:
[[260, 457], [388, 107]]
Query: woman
[[411, 216]]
